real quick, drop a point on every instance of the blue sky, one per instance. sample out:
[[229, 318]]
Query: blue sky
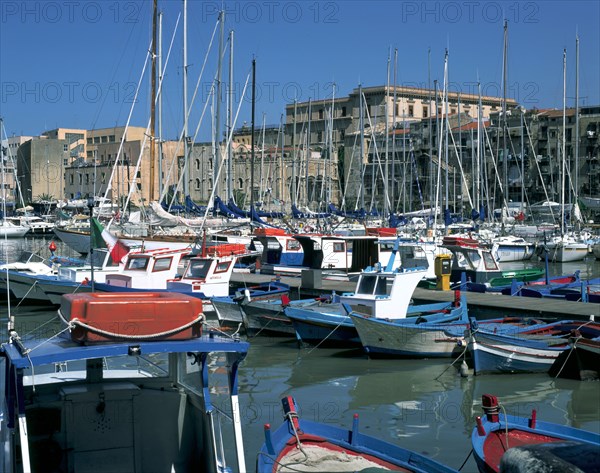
[[75, 64]]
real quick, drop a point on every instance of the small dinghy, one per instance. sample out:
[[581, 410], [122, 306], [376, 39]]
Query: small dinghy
[[513, 444], [301, 445]]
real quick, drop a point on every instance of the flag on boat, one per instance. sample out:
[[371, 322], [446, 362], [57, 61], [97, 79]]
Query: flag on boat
[[102, 238]]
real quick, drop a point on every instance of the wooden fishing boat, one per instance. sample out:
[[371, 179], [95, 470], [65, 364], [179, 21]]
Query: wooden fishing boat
[[138, 401], [303, 445], [229, 308], [503, 442], [532, 349], [480, 266], [581, 361], [380, 292]]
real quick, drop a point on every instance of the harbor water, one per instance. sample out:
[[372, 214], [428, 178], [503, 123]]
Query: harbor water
[[422, 405]]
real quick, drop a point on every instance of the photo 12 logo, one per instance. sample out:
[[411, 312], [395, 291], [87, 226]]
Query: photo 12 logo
[[66, 92], [69, 12], [470, 12], [272, 12]]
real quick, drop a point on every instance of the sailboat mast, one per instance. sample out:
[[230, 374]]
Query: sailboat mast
[[504, 117], [393, 178], [217, 163], [186, 168], [387, 141], [153, 102], [307, 151], [563, 146], [160, 104], [252, 138], [293, 184], [446, 123], [576, 118], [230, 121], [362, 145]]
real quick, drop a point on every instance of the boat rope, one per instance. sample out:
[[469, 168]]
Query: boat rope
[[41, 326], [457, 358], [328, 335], [26, 294], [575, 340], [73, 323], [48, 339], [266, 325], [290, 416], [466, 459]]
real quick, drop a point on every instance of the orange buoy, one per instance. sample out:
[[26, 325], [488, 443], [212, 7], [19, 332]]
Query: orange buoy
[[52, 247]]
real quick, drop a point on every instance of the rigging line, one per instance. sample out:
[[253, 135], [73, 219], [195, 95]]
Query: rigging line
[[122, 143], [188, 111], [133, 188], [459, 160], [229, 138]]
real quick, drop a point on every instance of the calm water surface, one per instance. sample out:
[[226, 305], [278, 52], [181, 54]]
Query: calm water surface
[[418, 404]]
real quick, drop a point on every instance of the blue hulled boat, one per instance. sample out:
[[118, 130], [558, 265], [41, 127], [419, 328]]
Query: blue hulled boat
[[308, 446], [128, 390], [502, 442]]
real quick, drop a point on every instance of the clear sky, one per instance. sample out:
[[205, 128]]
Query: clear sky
[[75, 64]]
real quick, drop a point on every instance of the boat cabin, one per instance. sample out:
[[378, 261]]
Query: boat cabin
[[150, 269], [384, 294], [473, 259], [208, 276]]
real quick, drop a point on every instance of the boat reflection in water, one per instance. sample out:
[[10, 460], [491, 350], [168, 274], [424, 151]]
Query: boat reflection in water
[[398, 401]]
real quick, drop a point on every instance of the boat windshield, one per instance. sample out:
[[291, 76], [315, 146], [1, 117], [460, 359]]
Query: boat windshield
[[198, 268], [376, 284], [137, 263]]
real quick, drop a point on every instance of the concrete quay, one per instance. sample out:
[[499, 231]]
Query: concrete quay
[[482, 306]]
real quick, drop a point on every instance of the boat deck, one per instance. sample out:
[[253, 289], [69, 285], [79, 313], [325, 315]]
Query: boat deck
[[482, 305]]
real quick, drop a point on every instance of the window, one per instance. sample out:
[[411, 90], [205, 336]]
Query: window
[[96, 139], [197, 184], [89, 141], [80, 179], [339, 247], [320, 114], [65, 148], [292, 245], [452, 111], [105, 139], [162, 264], [87, 178], [222, 267], [343, 111], [425, 112], [71, 179], [319, 136], [198, 269], [411, 110], [103, 179], [342, 134], [111, 138], [366, 285], [137, 263], [240, 183]]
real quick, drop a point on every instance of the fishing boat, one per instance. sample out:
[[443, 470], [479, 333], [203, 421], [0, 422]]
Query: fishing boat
[[229, 308], [503, 442], [532, 349], [512, 248], [545, 287], [381, 292], [18, 275], [581, 361], [78, 279], [469, 256], [131, 396], [304, 445]]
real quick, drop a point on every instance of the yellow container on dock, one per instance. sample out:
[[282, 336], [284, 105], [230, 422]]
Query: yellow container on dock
[[443, 269]]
